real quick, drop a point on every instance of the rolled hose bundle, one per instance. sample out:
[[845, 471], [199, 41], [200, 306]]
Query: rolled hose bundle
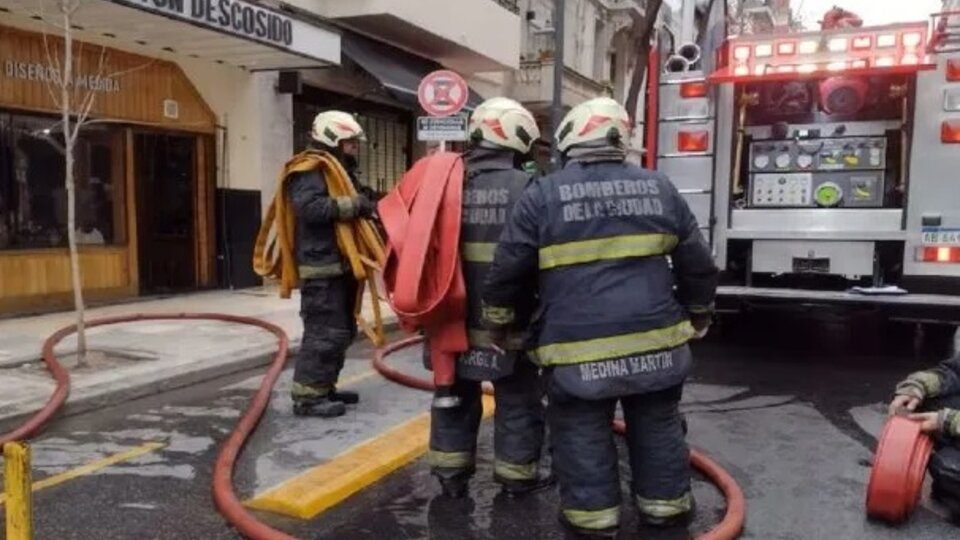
[[899, 468], [359, 241], [423, 274]]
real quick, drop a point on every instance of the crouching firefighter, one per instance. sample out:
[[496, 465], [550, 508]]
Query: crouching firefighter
[[312, 223], [502, 133], [932, 397], [607, 243]]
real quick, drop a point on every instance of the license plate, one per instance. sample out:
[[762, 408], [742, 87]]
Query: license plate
[[814, 265], [941, 237]]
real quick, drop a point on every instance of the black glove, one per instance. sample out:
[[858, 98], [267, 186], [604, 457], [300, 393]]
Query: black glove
[[365, 207], [701, 323]]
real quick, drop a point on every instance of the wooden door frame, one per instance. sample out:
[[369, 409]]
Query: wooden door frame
[[203, 189]]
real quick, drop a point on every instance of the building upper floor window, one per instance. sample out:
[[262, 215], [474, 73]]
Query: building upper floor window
[[33, 197]]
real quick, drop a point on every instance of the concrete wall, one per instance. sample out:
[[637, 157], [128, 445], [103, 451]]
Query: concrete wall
[[588, 34], [478, 25], [258, 123]]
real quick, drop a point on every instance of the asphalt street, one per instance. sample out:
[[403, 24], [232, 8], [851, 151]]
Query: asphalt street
[[789, 405]]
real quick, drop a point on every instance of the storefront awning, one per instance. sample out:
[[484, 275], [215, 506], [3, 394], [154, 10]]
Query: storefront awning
[[398, 71], [235, 32]]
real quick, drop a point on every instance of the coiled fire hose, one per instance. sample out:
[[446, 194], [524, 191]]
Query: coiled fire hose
[[733, 519], [274, 253], [899, 468], [423, 274]]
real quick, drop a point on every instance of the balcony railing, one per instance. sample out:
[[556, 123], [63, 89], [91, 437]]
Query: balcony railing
[[534, 84]]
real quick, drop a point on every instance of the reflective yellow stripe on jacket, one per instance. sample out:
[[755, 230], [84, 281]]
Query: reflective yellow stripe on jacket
[[478, 252], [515, 341], [606, 249], [605, 348]]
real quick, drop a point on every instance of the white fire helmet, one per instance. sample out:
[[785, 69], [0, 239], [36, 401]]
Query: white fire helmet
[[504, 122], [331, 127], [593, 120]]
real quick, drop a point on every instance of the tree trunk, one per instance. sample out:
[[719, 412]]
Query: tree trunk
[[70, 140], [642, 32]]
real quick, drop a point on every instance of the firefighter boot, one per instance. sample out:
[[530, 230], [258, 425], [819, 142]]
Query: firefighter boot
[[346, 397], [454, 484], [323, 407], [578, 532], [667, 514], [949, 502], [519, 488]]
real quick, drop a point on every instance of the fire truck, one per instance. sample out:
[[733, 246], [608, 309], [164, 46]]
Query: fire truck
[[823, 166]]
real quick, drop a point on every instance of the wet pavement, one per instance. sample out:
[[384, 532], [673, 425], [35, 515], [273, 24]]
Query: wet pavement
[[789, 405]]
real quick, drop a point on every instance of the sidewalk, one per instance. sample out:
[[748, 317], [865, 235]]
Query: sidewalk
[[138, 359]]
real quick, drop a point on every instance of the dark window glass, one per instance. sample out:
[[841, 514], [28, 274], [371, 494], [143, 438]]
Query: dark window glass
[[33, 199]]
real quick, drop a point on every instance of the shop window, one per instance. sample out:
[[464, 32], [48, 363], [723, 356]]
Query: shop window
[[33, 199]]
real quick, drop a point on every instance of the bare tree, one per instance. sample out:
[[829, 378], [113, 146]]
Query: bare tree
[[75, 105]]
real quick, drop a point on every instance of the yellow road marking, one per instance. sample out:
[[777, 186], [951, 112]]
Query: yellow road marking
[[356, 378], [93, 467], [328, 484]]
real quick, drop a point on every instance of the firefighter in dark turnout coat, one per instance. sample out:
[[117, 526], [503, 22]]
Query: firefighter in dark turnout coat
[[502, 133], [625, 280], [932, 397], [328, 290]]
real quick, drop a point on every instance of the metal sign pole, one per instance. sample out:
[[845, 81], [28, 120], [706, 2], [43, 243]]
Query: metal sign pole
[[559, 14]]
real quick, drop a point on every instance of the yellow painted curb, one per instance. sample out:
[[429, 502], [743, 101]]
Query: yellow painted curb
[[94, 466], [327, 485]]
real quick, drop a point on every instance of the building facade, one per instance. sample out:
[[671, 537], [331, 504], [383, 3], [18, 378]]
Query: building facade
[[180, 102], [196, 106]]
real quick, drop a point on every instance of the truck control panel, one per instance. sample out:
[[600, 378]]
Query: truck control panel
[[845, 172]]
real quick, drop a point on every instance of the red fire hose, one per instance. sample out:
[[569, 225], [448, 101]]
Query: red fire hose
[[899, 468], [223, 494], [39, 419], [423, 273], [729, 528]]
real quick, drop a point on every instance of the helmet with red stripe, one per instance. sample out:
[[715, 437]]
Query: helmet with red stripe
[[504, 122], [597, 119], [332, 127]]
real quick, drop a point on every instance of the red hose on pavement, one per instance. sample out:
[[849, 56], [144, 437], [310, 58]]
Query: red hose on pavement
[[39, 419], [223, 494], [899, 468], [729, 528]]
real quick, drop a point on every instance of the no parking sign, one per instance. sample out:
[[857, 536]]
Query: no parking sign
[[443, 93]]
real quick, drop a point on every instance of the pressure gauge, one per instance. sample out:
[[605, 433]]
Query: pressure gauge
[[761, 161], [783, 161], [828, 194], [804, 161]]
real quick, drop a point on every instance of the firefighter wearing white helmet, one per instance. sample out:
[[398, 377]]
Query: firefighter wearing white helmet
[[597, 122], [328, 287], [504, 123], [626, 281], [502, 132]]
